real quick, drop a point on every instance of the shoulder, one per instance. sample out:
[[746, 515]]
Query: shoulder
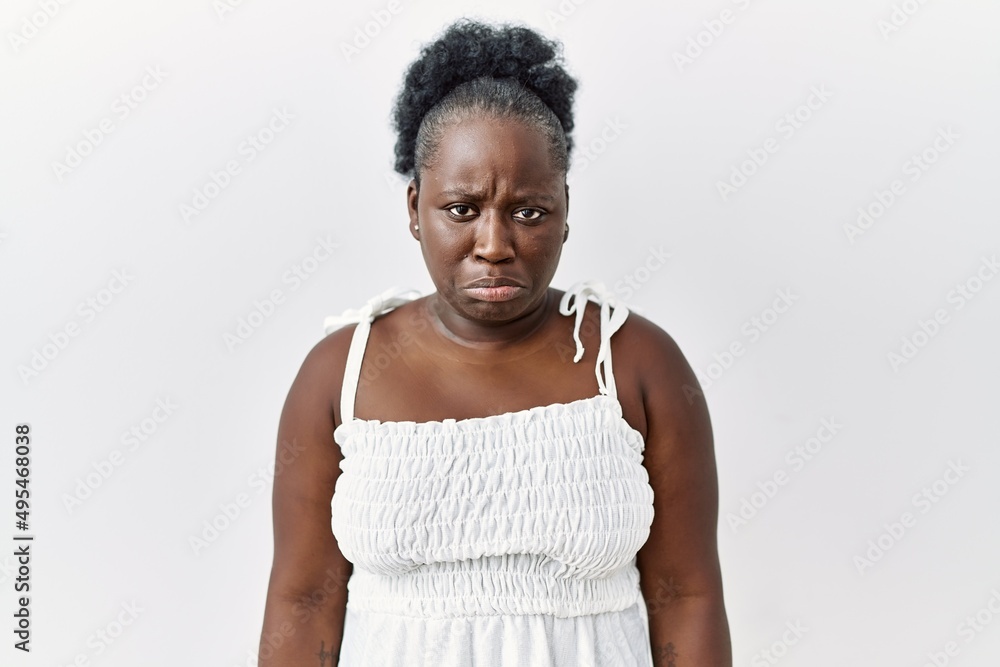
[[658, 356], [324, 365], [676, 414], [642, 345], [666, 384], [327, 360]]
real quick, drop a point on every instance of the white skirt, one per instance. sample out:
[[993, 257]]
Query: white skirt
[[610, 639]]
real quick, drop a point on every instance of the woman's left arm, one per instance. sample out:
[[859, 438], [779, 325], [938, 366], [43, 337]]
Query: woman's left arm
[[681, 579]]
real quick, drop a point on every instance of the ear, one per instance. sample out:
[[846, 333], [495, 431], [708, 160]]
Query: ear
[[566, 234], [412, 200]]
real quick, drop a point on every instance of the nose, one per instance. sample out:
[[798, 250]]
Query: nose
[[493, 238]]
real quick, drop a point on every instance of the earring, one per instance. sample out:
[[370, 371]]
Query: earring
[[416, 227]]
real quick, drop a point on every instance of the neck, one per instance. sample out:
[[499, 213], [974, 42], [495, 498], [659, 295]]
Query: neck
[[487, 336]]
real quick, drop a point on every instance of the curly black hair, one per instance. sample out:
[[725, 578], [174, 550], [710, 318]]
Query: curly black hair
[[505, 71]]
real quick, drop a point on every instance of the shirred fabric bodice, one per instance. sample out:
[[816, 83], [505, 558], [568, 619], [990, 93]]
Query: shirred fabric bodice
[[533, 513], [553, 503]]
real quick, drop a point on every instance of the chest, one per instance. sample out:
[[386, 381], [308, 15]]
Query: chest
[[565, 482], [416, 383]]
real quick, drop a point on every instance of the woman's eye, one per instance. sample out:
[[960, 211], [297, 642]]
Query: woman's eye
[[464, 212], [536, 212]]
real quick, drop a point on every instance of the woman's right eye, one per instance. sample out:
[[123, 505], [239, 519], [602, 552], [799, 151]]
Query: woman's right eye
[[461, 214]]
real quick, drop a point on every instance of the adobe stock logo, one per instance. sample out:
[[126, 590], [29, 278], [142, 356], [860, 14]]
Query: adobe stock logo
[[249, 149], [753, 329], [779, 649], [914, 167], [900, 16], [88, 310], [31, 26], [121, 107], [713, 30], [924, 500], [223, 7], [788, 125], [965, 291], [586, 153], [565, 9], [381, 18], [971, 626], [264, 308], [796, 459]]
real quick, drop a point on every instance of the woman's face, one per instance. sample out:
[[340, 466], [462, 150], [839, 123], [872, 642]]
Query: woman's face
[[491, 206]]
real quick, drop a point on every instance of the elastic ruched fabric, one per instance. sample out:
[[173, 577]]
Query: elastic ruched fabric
[[502, 540]]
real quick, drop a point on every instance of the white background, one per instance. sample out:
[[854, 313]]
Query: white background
[[327, 174]]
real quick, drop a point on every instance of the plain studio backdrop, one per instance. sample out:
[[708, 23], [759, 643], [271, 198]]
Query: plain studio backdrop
[[802, 194]]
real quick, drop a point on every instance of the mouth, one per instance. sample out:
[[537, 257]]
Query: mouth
[[495, 289]]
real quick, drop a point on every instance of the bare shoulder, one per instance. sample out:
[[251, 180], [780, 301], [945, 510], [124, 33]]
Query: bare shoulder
[[322, 370], [668, 388], [654, 354], [327, 360]]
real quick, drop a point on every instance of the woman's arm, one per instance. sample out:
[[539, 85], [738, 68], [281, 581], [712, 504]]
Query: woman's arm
[[307, 591], [681, 578]]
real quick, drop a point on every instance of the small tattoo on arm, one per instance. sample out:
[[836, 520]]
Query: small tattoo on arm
[[665, 655], [324, 654]]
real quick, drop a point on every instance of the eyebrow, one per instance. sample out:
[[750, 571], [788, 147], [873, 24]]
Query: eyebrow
[[469, 194]]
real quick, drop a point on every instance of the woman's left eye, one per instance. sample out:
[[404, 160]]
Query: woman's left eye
[[538, 214]]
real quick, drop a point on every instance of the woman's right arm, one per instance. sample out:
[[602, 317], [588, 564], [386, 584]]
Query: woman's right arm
[[307, 591]]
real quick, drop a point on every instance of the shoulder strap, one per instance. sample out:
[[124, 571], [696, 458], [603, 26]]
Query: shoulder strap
[[575, 301], [364, 316]]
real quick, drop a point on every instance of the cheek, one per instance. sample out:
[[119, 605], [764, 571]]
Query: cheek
[[443, 249], [543, 250]]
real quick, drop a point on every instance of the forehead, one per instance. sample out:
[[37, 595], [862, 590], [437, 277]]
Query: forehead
[[482, 150]]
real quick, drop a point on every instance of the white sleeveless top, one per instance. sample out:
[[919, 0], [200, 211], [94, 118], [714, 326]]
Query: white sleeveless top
[[507, 540]]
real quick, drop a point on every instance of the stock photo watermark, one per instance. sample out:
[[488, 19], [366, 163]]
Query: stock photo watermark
[[383, 355], [705, 38], [224, 7], [562, 12], [34, 23], [364, 34], [104, 468], [302, 610], [121, 108], [796, 459], [928, 329], [264, 308], [773, 654], [915, 167], [666, 592], [231, 510], [901, 14], [753, 329], [970, 627], [311, 604], [787, 126], [586, 153], [88, 310], [249, 149], [633, 281], [101, 639], [924, 500]]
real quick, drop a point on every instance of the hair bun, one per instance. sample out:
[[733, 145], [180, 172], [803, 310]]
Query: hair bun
[[470, 49]]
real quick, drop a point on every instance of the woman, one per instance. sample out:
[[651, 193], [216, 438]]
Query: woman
[[490, 503]]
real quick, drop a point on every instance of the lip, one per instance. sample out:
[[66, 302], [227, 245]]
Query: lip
[[490, 281], [496, 293]]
